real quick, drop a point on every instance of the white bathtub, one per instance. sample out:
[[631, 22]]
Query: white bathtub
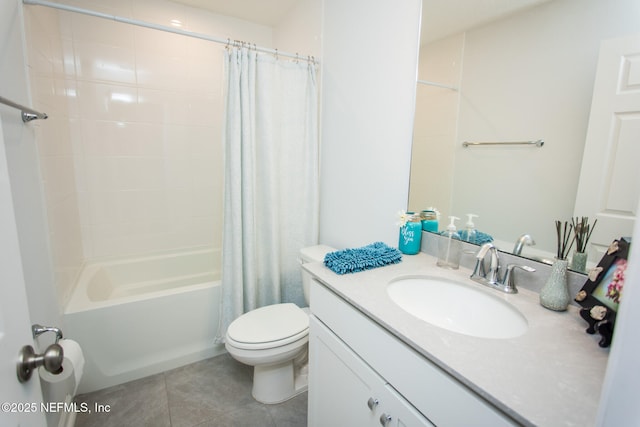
[[137, 317]]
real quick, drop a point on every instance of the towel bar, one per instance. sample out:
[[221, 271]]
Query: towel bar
[[537, 143]]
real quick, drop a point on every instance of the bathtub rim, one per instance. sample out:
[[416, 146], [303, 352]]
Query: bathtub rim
[[79, 299]]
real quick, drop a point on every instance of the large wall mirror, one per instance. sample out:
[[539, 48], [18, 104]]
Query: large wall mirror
[[492, 71]]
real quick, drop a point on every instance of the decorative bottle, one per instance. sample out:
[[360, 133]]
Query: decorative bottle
[[470, 233], [410, 235]]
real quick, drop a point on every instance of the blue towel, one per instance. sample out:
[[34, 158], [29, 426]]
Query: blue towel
[[481, 238], [367, 257]]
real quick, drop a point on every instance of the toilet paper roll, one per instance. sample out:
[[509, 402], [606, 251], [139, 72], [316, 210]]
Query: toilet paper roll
[[56, 387]]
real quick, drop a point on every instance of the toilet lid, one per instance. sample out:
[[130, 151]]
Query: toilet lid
[[269, 324]]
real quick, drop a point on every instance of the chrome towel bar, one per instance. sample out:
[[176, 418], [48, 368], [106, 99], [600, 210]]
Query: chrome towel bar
[[27, 113], [537, 143]]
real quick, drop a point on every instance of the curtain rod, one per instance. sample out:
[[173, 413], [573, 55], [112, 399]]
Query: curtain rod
[[152, 26], [27, 113]]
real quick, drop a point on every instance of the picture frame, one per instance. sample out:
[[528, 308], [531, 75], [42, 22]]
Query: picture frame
[[602, 292]]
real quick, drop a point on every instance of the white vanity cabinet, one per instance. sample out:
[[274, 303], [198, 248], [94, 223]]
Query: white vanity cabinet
[[362, 375], [347, 392]]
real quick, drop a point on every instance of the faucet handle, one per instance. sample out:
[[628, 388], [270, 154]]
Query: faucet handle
[[508, 283]]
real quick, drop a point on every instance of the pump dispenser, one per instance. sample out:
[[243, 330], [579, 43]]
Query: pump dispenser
[[470, 234], [449, 247]]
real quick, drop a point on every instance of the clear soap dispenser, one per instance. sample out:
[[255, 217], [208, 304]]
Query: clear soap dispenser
[[449, 247], [470, 234]]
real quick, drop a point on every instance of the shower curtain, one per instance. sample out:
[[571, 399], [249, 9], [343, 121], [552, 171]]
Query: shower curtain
[[271, 180]]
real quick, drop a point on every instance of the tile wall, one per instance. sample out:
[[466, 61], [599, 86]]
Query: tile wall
[[131, 154]]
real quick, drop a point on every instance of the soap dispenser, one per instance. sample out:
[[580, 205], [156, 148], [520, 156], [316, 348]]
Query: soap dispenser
[[470, 234], [449, 247]]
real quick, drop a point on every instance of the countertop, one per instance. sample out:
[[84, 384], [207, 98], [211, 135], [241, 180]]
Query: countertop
[[551, 375]]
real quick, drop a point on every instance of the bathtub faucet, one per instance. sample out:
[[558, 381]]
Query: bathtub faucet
[[525, 239], [38, 330]]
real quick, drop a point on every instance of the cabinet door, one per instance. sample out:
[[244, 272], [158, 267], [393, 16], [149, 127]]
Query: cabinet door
[[345, 391], [339, 389]]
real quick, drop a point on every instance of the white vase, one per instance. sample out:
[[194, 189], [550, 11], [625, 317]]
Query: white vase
[[555, 293]]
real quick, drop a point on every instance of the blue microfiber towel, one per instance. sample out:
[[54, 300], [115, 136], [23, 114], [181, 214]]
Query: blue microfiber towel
[[481, 238], [367, 257]]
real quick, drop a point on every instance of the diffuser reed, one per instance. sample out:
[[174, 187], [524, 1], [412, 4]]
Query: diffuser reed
[[565, 242], [582, 231]]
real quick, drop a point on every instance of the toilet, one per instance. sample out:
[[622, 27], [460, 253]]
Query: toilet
[[273, 339]]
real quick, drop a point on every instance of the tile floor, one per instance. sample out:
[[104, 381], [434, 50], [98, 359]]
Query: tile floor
[[212, 393]]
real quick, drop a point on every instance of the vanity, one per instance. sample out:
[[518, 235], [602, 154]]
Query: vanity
[[373, 363]]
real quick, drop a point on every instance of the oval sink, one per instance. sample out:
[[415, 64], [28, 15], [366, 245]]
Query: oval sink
[[457, 307]]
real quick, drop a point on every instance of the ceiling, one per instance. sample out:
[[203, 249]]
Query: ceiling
[[265, 12], [440, 18]]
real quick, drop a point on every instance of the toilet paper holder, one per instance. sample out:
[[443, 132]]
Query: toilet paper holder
[[38, 330], [51, 359]]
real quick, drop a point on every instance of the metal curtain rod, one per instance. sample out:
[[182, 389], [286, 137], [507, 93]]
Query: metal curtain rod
[[27, 113], [152, 26], [537, 143], [429, 83]]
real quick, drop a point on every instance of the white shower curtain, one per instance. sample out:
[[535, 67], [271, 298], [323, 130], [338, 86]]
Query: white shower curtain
[[271, 180]]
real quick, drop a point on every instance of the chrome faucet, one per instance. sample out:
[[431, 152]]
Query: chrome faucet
[[525, 239], [492, 277], [479, 272]]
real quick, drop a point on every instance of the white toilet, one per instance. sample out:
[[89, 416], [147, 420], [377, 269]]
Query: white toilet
[[273, 339]]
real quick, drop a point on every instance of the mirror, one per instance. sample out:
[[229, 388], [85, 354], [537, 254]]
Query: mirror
[[511, 75]]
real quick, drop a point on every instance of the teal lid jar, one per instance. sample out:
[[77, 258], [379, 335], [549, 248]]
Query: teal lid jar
[[429, 219], [410, 235]]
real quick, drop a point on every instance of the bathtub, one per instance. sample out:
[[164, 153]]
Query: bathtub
[[138, 317]]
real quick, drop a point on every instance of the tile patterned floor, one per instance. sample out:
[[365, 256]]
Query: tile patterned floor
[[212, 393]]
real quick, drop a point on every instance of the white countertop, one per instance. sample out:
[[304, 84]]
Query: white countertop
[[550, 376]]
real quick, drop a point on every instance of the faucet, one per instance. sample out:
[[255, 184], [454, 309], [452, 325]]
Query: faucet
[[525, 239], [479, 271], [492, 277]]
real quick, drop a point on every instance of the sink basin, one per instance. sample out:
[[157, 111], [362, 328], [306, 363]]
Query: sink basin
[[457, 307]]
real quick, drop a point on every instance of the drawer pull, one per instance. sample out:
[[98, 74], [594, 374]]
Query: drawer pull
[[385, 420], [372, 403]]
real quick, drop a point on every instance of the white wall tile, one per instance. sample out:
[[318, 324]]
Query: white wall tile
[[98, 62], [140, 150]]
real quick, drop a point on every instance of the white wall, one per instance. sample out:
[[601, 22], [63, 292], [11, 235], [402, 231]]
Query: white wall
[[369, 70], [301, 30], [22, 161], [435, 127]]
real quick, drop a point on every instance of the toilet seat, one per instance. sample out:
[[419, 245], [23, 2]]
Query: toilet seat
[[268, 327]]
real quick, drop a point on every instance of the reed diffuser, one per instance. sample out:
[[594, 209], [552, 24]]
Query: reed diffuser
[[564, 234], [582, 231], [554, 295]]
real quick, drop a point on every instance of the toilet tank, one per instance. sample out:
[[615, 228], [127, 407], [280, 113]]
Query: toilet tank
[[311, 254]]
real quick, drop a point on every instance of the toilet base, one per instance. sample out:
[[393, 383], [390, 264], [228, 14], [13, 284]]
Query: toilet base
[[278, 383]]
